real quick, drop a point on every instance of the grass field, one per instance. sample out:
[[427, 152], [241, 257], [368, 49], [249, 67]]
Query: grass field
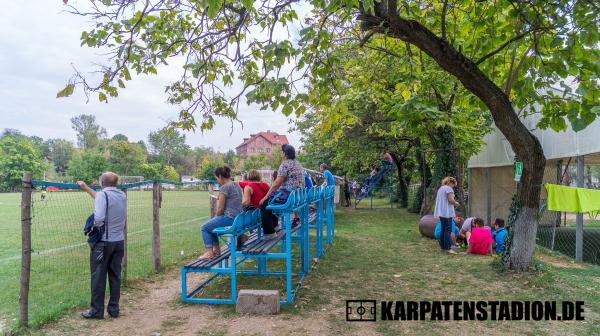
[[379, 255], [60, 265]]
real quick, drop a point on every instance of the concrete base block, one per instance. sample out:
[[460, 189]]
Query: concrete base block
[[260, 302]]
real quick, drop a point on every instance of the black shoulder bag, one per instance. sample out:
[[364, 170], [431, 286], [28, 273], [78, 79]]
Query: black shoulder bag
[[94, 233]]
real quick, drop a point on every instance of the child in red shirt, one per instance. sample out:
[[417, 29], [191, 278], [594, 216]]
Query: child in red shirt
[[480, 241]]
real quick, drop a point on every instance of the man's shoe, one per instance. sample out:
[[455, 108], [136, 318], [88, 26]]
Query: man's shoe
[[269, 236], [91, 315], [113, 314]]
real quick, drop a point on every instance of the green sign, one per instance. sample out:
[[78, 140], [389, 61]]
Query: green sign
[[518, 171]]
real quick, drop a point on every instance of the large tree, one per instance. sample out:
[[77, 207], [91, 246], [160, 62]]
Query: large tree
[[125, 157], [87, 166], [89, 133], [60, 152], [167, 144], [17, 156], [506, 53]]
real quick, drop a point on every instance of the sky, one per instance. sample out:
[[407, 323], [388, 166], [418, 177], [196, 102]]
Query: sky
[[39, 47]]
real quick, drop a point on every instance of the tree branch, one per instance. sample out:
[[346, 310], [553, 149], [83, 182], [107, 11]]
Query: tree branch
[[507, 43], [444, 11]]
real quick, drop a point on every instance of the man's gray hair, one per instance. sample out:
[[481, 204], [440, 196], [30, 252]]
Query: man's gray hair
[[109, 179], [324, 166]]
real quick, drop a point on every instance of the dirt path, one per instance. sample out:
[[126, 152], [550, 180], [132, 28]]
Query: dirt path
[[155, 309]]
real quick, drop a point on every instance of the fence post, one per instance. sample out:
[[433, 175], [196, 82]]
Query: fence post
[[124, 262], [579, 218], [156, 225], [25, 250]]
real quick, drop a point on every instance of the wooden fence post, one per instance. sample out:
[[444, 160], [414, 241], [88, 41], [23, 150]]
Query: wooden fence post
[[213, 205], [124, 262], [156, 225], [25, 250]]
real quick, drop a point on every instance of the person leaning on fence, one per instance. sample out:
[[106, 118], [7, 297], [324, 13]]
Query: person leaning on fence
[[327, 175], [229, 205], [106, 255], [290, 175], [444, 210]]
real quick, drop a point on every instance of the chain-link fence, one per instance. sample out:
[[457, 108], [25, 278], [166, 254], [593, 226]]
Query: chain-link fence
[[556, 231], [59, 271]]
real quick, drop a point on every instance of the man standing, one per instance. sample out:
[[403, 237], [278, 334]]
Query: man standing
[[106, 255], [327, 175]]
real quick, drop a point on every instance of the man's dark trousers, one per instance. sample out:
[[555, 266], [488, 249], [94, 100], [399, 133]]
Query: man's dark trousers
[[105, 259]]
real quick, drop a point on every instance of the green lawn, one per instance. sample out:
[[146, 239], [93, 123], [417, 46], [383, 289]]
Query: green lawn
[[379, 254], [59, 272]]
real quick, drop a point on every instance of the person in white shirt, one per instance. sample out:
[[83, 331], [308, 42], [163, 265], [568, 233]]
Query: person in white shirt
[[444, 210]]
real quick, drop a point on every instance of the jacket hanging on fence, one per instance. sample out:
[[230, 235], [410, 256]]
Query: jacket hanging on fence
[[571, 199]]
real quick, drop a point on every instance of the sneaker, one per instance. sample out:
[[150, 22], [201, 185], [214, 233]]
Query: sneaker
[[450, 252], [455, 246], [269, 236]]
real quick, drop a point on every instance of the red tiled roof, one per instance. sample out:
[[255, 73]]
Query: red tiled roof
[[272, 137]]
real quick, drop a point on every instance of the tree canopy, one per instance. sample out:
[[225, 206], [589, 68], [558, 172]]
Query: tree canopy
[[508, 55], [89, 133], [17, 156]]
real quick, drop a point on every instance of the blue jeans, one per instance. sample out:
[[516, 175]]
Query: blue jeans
[[211, 239], [445, 235]]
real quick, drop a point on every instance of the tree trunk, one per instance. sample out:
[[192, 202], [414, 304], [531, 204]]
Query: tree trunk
[[402, 191], [525, 145], [424, 172], [442, 140]]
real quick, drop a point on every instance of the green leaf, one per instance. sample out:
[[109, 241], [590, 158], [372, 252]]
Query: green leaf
[[126, 73], [578, 124], [287, 110], [247, 4], [300, 110], [66, 92], [102, 97], [121, 84], [213, 8]]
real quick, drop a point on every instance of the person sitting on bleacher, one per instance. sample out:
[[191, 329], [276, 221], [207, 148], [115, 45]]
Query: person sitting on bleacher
[[229, 205], [254, 190], [290, 175]]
